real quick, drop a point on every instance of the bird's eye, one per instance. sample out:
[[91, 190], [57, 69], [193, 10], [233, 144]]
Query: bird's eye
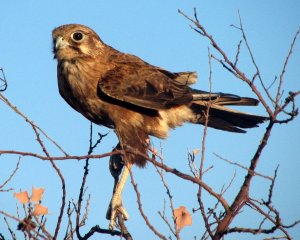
[[77, 36]]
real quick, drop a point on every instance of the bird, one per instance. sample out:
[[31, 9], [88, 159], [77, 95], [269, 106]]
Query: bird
[[138, 100]]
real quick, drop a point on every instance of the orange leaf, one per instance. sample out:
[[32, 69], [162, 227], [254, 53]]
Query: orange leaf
[[195, 151], [22, 197], [39, 210], [37, 194], [182, 217]]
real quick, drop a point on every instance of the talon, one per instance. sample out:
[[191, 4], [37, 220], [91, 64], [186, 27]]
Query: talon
[[114, 207]]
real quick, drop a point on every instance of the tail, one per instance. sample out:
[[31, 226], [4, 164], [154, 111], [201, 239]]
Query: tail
[[224, 118]]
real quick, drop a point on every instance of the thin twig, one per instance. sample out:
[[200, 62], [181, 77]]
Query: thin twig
[[4, 85], [97, 229], [272, 187], [206, 115], [237, 53], [164, 218], [13, 235], [125, 233], [57, 158], [184, 176], [277, 110], [11, 176], [42, 227], [243, 167], [37, 132], [233, 69], [277, 222], [121, 152], [138, 195], [16, 110], [20, 221], [176, 231], [85, 174]]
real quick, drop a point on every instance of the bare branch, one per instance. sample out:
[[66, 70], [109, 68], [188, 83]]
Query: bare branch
[[33, 125], [176, 231], [206, 115], [231, 67], [3, 81], [97, 229], [277, 221], [46, 158], [237, 53], [10, 177], [272, 187], [277, 110], [138, 195], [124, 231], [20, 221], [186, 177], [42, 227], [290, 100], [37, 132], [13, 235], [82, 187], [243, 167]]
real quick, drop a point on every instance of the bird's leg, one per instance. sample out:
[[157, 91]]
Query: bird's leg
[[116, 201], [116, 164]]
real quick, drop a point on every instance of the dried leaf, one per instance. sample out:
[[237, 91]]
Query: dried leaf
[[23, 197], [155, 152], [39, 210], [195, 151], [37, 194], [182, 217]]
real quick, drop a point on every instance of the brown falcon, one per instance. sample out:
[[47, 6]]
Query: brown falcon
[[136, 99]]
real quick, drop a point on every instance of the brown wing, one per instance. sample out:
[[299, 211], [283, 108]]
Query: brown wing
[[144, 85]]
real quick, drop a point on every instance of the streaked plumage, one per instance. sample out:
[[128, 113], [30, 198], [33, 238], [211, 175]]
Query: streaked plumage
[[138, 100]]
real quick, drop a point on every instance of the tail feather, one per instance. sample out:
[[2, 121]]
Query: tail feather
[[223, 98], [219, 123], [224, 118]]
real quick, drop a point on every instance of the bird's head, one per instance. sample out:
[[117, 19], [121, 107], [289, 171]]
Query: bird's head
[[73, 41]]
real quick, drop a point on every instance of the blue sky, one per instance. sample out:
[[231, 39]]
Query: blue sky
[[156, 32]]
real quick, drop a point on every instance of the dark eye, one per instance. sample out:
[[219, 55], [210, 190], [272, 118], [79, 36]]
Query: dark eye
[[77, 36]]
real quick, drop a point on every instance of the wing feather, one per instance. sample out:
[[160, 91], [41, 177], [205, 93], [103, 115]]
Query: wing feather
[[145, 86]]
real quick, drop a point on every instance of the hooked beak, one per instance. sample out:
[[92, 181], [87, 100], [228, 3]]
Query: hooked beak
[[58, 43]]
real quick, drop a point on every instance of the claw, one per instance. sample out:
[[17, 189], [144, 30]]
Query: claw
[[115, 207]]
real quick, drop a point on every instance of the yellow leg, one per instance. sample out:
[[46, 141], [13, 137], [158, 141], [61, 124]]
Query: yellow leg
[[116, 201]]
